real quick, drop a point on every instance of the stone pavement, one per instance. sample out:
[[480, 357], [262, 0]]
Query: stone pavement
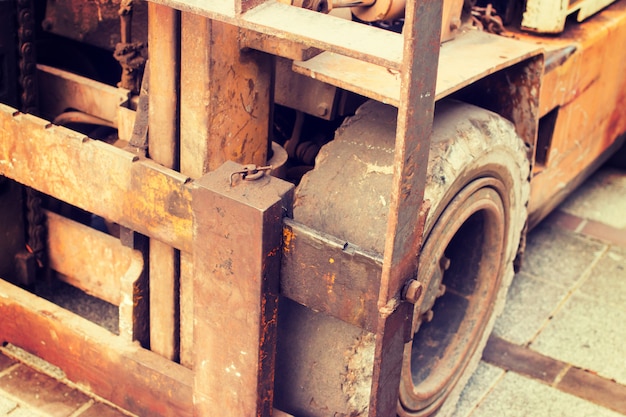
[[39, 390], [559, 349]]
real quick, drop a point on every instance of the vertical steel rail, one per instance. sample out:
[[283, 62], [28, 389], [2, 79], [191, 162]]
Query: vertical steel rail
[[195, 54], [163, 44], [226, 94], [237, 241], [422, 32], [233, 293]]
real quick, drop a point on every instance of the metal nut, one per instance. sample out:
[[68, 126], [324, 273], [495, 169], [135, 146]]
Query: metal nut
[[427, 317], [442, 290], [322, 109], [444, 263], [413, 291], [455, 24]]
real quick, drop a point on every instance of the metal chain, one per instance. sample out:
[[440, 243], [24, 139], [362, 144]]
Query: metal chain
[[36, 221], [130, 55], [250, 172], [27, 58], [35, 218], [487, 19]]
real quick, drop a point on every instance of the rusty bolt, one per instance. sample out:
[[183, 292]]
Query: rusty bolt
[[47, 24], [322, 109], [455, 23], [444, 263], [427, 317], [413, 291], [442, 290]]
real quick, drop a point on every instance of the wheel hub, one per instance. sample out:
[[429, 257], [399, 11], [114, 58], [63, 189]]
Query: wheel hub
[[460, 268]]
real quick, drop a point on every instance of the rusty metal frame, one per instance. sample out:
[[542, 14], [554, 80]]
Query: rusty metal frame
[[163, 204], [170, 208], [237, 241], [136, 193], [54, 331]]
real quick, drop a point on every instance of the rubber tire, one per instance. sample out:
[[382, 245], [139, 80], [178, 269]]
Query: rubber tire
[[346, 197], [471, 143]]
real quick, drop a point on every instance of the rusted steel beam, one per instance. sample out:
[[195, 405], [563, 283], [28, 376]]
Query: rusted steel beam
[[242, 6], [65, 90], [120, 371], [164, 51], [415, 118], [195, 94], [237, 240], [285, 23], [194, 127], [330, 276], [90, 260], [135, 193], [404, 234], [226, 94], [265, 42], [100, 265], [288, 23], [479, 53]]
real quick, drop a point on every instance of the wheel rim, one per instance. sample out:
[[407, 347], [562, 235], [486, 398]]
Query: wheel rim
[[464, 251]]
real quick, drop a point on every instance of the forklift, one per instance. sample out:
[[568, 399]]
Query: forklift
[[308, 208]]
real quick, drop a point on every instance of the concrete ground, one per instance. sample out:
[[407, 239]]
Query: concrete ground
[[559, 349]]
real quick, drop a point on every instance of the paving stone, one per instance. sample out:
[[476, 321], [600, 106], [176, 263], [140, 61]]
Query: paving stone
[[25, 412], [33, 361], [565, 220], [583, 384], [604, 232], [602, 198], [483, 380], [590, 386], [42, 392], [522, 360], [530, 302], [102, 410], [589, 334], [559, 256], [6, 405], [607, 282], [518, 396]]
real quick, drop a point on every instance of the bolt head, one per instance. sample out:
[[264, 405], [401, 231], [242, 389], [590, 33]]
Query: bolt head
[[413, 291], [322, 109]]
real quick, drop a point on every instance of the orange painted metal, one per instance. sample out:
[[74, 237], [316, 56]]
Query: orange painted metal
[[587, 89]]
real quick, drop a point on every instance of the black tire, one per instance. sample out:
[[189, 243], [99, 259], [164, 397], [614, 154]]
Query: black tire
[[478, 187], [477, 183]]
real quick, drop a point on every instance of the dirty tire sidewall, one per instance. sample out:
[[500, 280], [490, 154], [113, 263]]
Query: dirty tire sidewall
[[469, 143]]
